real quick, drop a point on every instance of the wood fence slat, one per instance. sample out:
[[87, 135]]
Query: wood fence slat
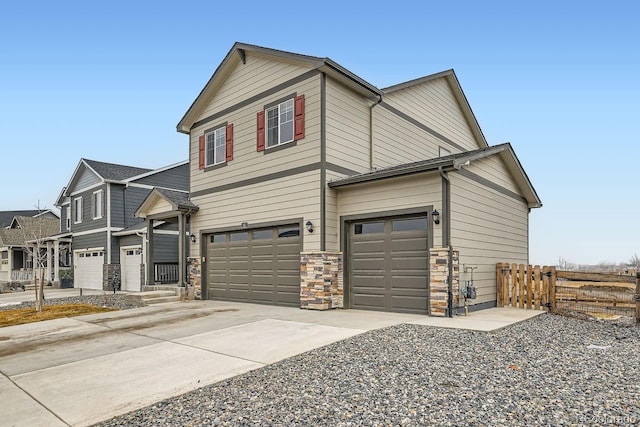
[[527, 277], [537, 288], [521, 279], [514, 285]]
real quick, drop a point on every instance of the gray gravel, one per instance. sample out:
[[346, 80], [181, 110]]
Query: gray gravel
[[539, 372], [107, 300]]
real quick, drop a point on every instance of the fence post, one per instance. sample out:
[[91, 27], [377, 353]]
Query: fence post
[[552, 289], [500, 283], [637, 296]]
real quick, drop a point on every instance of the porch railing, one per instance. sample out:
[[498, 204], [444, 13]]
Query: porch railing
[[165, 272]]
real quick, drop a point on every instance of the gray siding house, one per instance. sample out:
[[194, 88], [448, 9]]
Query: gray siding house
[[317, 189], [109, 243]]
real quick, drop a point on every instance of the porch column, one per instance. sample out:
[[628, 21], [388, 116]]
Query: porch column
[[150, 273], [48, 270], [56, 261], [181, 257]]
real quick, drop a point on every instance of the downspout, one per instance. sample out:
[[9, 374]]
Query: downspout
[[446, 230], [371, 131]]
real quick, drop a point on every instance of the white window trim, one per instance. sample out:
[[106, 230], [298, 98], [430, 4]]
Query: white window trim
[[77, 211], [215, 133], [277, 107], [68, 215], [97, 213]]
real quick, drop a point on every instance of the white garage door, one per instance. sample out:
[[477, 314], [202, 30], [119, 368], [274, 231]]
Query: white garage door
[[88, 269], [130, 259]]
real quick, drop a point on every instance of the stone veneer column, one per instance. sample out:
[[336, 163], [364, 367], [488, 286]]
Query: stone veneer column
[[321, 280], [439, 280], [111, 277], [195, 280]]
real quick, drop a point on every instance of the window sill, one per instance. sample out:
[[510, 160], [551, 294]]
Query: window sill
[[280, 147], [213, 167]]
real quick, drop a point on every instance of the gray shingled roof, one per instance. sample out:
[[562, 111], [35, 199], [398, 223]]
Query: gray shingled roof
[[111, 171], [30, 229], [178, 198], [7, 216]]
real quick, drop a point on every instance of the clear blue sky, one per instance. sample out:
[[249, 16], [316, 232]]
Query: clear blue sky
[[560, 80]]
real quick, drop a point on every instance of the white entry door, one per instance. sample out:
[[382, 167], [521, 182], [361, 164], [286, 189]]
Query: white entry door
[[88, 269], [130, 260]]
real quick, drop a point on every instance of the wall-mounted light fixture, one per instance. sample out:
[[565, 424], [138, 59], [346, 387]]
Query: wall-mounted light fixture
[[193, 238], [436, 216], [244, 224], [309, 226]]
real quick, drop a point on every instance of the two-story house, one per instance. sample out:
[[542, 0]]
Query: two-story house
[[109, 243], [317, 189]]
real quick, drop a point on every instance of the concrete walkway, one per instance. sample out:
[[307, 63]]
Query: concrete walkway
[[83, 370]]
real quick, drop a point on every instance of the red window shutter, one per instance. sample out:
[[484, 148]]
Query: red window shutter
[[201, 151], [229, 142], [298, 109], [261, 131]]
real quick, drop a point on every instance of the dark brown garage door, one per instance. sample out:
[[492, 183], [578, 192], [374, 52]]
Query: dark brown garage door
[[258, 266], [388, 264]]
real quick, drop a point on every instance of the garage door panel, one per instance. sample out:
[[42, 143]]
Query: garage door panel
[[413, 244], [389, 270], [366, 247], [257, 266]]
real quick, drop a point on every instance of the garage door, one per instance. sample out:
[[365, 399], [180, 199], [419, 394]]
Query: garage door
[[258, 266], [88, 269], [388, 264], [130, 259]]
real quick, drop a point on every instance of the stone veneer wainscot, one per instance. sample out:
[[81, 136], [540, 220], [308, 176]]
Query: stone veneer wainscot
[[321, 280]]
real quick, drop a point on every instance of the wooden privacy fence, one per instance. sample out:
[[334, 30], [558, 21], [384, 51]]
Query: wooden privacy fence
[[535, 287]]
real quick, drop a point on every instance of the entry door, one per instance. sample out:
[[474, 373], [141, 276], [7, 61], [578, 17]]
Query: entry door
[[388, 264], [130, 260]]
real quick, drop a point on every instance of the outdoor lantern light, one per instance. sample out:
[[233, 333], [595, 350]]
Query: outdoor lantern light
[[436, 216], [309, 225], [193, 238]]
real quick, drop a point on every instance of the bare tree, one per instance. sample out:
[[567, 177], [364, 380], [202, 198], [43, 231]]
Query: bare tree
[[634, 261], [34, 234]]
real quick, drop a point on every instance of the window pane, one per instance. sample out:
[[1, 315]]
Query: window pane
[[288, 232], [262, 234], [210, 148], [410, 224], [368, 227], [238, 237], [272, 127], [286, 121], [221, 149], [219, 238]]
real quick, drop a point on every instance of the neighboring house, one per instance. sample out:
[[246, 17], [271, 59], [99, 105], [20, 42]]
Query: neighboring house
[[24, 238], [109, 243], [317, 189]]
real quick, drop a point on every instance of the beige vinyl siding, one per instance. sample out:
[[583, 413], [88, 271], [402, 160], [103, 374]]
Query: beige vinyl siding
[[494, 169], [393, 194], [159, 207], [434, 104], [246, 80], [287, 198], [332, 217], [347, 127], [247, 161], [396, 141], [487, 227]]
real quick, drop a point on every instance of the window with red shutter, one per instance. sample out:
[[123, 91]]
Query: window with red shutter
[[260, 131], [229, 142], [201, 151], [299, 117]]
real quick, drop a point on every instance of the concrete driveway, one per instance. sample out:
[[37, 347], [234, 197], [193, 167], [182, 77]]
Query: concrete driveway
[[82, 370]]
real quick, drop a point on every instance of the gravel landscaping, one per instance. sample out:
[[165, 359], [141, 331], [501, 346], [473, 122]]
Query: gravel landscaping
[[107, 300], [550, 370]]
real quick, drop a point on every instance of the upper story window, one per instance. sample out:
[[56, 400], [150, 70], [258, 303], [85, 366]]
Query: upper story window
[[77, 210], [281, 123], [68, 217], [216, 146], [97, 204]]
